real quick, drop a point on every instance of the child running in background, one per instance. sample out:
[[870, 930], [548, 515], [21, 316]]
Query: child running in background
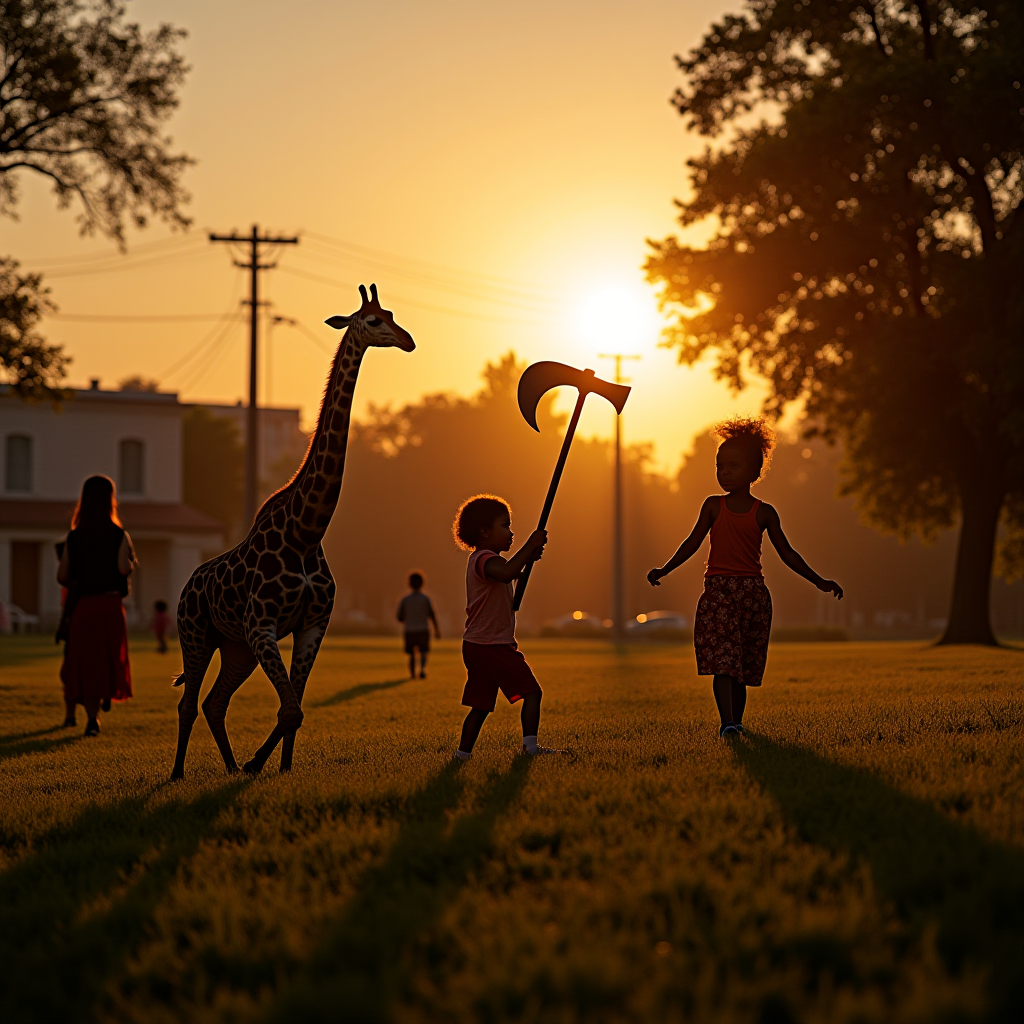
[[416, 613], [734, 614], [483, 525], [160, 624]]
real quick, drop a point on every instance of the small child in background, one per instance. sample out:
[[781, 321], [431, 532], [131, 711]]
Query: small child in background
[[160, 624], [483, 525], [416, 613], [734, 614]]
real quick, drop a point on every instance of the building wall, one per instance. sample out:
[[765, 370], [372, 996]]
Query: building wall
[[83, 437]]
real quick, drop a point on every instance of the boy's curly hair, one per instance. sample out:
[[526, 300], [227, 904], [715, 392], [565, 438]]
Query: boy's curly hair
[[754, 436], [476, 514]]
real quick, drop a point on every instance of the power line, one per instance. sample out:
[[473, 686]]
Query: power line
[[144, 263], [470, 290], [508, 284], [156, 318], [97, 257], [207, 360], [413, 302], [180, 363]]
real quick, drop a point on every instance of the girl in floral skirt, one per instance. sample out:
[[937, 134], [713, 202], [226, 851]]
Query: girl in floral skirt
[[734, 614]]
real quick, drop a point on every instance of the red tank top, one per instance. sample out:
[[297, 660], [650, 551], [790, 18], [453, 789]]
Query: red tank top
[[735, 543]]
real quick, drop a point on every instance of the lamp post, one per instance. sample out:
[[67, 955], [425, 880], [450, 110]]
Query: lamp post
[[618, 544]]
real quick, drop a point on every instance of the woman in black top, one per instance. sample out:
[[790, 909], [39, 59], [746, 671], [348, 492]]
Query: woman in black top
[[95, 565]]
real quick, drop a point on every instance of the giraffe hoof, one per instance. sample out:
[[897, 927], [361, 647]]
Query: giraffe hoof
[[177, 774], [252, 767]]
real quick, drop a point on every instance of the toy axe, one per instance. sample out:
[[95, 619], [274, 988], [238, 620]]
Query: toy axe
[[536, 381]]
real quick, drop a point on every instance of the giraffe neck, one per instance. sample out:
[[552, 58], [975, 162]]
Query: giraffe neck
[[317, 484]]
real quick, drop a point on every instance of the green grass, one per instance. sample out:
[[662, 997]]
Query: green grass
[[859, 857]]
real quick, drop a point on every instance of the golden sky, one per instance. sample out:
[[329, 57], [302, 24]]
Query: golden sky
[[494, 168]]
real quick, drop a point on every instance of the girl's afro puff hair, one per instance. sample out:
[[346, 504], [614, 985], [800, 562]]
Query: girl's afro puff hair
[[753, 435]]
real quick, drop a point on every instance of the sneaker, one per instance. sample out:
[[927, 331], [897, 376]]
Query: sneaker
[[541, 750], [93, 728], [739, 728], [728, 730]]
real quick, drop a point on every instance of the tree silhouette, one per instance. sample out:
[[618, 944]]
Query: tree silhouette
[[868, 253], [83, 98], [213, 466]]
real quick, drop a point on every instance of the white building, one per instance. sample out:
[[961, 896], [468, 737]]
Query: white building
[[46, 452]]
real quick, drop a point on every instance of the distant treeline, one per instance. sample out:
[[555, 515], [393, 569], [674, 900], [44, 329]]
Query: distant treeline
[[409, 468]]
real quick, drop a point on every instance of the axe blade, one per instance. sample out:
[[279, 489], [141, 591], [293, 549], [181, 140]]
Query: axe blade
[[539, 378]]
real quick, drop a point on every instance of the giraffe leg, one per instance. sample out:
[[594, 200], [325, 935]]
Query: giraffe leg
[[197, 652], [263, 643], [236, 665], [307, 646]]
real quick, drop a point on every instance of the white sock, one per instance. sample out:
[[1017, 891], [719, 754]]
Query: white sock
[[530, 743], [463, 755]]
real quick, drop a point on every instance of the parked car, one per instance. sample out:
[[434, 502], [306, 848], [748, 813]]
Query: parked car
[[577, 624], [659, 625]]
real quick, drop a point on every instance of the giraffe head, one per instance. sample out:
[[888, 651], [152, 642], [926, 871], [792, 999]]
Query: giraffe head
[[373, 325]]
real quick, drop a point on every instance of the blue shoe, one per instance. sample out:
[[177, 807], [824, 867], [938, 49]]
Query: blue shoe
[[739, 728], [728, 730]]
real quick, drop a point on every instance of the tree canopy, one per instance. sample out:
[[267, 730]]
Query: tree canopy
[[84, 96], [865, 181]]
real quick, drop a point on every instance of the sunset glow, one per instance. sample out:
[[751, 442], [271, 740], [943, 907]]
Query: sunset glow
[[507, 209]]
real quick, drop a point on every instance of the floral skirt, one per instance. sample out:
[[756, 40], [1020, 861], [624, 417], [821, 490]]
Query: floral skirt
[[730, 631]]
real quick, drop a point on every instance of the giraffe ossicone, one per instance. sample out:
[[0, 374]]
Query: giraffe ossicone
[[276, 582]]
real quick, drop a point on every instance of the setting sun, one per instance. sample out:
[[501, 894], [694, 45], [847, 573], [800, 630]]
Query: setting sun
[[619, 317]]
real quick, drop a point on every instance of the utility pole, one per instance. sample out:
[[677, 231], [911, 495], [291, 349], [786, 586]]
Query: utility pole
[[618, 559], [254, 266]]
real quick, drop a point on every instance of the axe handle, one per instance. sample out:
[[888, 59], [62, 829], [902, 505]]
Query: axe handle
[[524, 576]]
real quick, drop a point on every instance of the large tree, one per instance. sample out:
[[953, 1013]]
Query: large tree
[[864, 185], [83, 100]]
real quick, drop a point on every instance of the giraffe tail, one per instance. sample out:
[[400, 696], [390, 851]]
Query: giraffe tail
[[178, 680]]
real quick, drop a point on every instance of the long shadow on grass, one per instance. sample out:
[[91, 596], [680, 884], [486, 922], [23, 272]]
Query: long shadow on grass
[[16, 744], [933, 869], [75, 908], [355, 975], [359, 691]]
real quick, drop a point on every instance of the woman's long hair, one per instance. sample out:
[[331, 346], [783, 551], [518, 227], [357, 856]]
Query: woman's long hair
[[97, 505]]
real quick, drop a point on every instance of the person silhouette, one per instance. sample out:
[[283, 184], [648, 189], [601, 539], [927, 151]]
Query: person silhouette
[[734, 614], [416, 613]]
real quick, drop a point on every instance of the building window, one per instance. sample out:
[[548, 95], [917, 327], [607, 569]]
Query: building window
[[18, 464], [133, 467]]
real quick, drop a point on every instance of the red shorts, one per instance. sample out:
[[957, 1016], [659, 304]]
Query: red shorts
[[493, 667]]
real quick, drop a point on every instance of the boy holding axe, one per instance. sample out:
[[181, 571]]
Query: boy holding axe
[[483, 525]]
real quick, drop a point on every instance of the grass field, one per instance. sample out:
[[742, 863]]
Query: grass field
[[859, 857]]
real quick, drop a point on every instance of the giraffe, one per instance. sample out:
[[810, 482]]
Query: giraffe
[[277, 581]]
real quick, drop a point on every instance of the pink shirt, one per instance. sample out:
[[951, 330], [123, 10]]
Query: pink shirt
[[489, 615]]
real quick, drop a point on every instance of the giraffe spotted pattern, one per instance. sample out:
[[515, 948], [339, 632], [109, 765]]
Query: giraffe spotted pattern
[[277, 582]]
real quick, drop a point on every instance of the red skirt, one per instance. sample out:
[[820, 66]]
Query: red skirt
[[96, 658]]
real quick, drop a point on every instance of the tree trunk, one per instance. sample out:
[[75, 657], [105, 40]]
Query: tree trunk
[[969, 620]]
